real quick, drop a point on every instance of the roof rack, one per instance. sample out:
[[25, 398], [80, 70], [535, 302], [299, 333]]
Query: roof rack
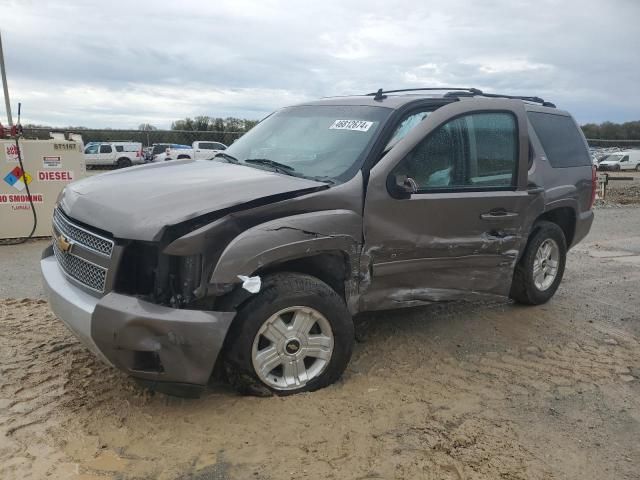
[[462, 92], [380, 94]]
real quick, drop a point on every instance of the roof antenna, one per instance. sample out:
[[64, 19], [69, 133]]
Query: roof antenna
[[379, 96]]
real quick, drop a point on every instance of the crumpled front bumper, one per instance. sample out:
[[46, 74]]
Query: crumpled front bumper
[[162, 346]]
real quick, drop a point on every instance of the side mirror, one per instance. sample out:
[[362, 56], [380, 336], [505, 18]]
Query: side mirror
[[402, 186]]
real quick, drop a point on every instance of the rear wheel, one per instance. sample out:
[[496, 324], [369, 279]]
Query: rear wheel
[[123, 162], [295, 335], [539, 272], [638, 167]]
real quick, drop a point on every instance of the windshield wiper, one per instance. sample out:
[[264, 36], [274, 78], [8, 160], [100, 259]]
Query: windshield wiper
[[277, 166], [227, 157], [324, 179]]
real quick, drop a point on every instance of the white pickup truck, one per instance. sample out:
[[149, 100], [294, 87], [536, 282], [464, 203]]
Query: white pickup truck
[[119, 154], [200, 150]]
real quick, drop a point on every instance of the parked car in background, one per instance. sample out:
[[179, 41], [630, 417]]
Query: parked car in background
[[199, 150], [629, 160], [160, 148], [172, 151], [118, 154], [259, 258]]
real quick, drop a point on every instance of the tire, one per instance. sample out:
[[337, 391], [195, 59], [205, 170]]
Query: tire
[[283, 296], [616, 168], [123, 162], [184, 157], [638, 167], [525, 288]]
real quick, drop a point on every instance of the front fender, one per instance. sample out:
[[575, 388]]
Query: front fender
[[288, 238]]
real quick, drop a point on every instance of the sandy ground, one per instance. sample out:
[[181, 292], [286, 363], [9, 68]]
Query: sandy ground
[[457, 391]]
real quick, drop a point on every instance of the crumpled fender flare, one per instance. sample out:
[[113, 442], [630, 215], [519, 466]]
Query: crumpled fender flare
[[288, 238]]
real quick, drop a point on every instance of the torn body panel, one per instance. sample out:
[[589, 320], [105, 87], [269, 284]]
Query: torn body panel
[[320, 221], [288, 238]]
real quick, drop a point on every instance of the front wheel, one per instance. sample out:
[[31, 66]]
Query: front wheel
[[295, 335], [539, 272]]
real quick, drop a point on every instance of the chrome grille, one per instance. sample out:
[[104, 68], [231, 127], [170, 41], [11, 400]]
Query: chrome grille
[[88, 274], [92, 241]]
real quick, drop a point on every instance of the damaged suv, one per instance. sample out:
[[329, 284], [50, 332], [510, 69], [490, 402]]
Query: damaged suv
[[253, 263]]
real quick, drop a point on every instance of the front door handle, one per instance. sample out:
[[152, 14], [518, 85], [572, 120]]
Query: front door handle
[[498, 214]]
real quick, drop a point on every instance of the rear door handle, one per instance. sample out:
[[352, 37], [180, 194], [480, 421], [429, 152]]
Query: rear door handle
[[498, 214]]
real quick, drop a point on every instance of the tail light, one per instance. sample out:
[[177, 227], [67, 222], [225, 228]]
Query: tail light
[[594, 185], [139, 153]]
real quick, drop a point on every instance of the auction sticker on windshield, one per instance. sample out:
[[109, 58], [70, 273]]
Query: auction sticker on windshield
[[357, 125]]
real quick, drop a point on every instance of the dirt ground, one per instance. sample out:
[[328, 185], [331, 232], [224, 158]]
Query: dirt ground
[[456, 391], [623, 192]]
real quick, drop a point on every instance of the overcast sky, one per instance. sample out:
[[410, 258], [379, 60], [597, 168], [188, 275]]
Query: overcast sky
[[121, 63]]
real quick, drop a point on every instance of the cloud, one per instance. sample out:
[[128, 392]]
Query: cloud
[[119, 64]]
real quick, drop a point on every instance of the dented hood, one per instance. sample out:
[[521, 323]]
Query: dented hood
[[137, 203]]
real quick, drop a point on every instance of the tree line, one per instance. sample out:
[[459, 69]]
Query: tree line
[[612, 131], [205, 123]]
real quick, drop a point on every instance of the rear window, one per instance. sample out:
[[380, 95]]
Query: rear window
[[561, 139]]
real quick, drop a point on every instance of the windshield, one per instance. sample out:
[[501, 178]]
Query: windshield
[[613, 158], [320, 142]]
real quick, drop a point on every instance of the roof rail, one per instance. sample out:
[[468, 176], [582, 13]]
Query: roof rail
[[380, 94], [454, 92], [539, 100]]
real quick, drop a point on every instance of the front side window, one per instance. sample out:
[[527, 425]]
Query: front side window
[[91, 149], [472, 152], [105, 148]]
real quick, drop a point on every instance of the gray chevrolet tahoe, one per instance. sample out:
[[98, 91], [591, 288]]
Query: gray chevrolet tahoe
[[254, 263]]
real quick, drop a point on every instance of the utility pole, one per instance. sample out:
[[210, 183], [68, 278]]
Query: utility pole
[[7, 102]]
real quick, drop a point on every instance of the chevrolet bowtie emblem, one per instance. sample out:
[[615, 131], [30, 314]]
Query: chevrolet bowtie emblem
[[64, 244]]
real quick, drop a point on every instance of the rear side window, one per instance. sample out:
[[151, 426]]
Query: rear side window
[[560, 139], [119, 148]]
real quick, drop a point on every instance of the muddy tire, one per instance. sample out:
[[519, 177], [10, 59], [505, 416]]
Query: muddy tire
[[295, 335], [539, 272], [123, 162]]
